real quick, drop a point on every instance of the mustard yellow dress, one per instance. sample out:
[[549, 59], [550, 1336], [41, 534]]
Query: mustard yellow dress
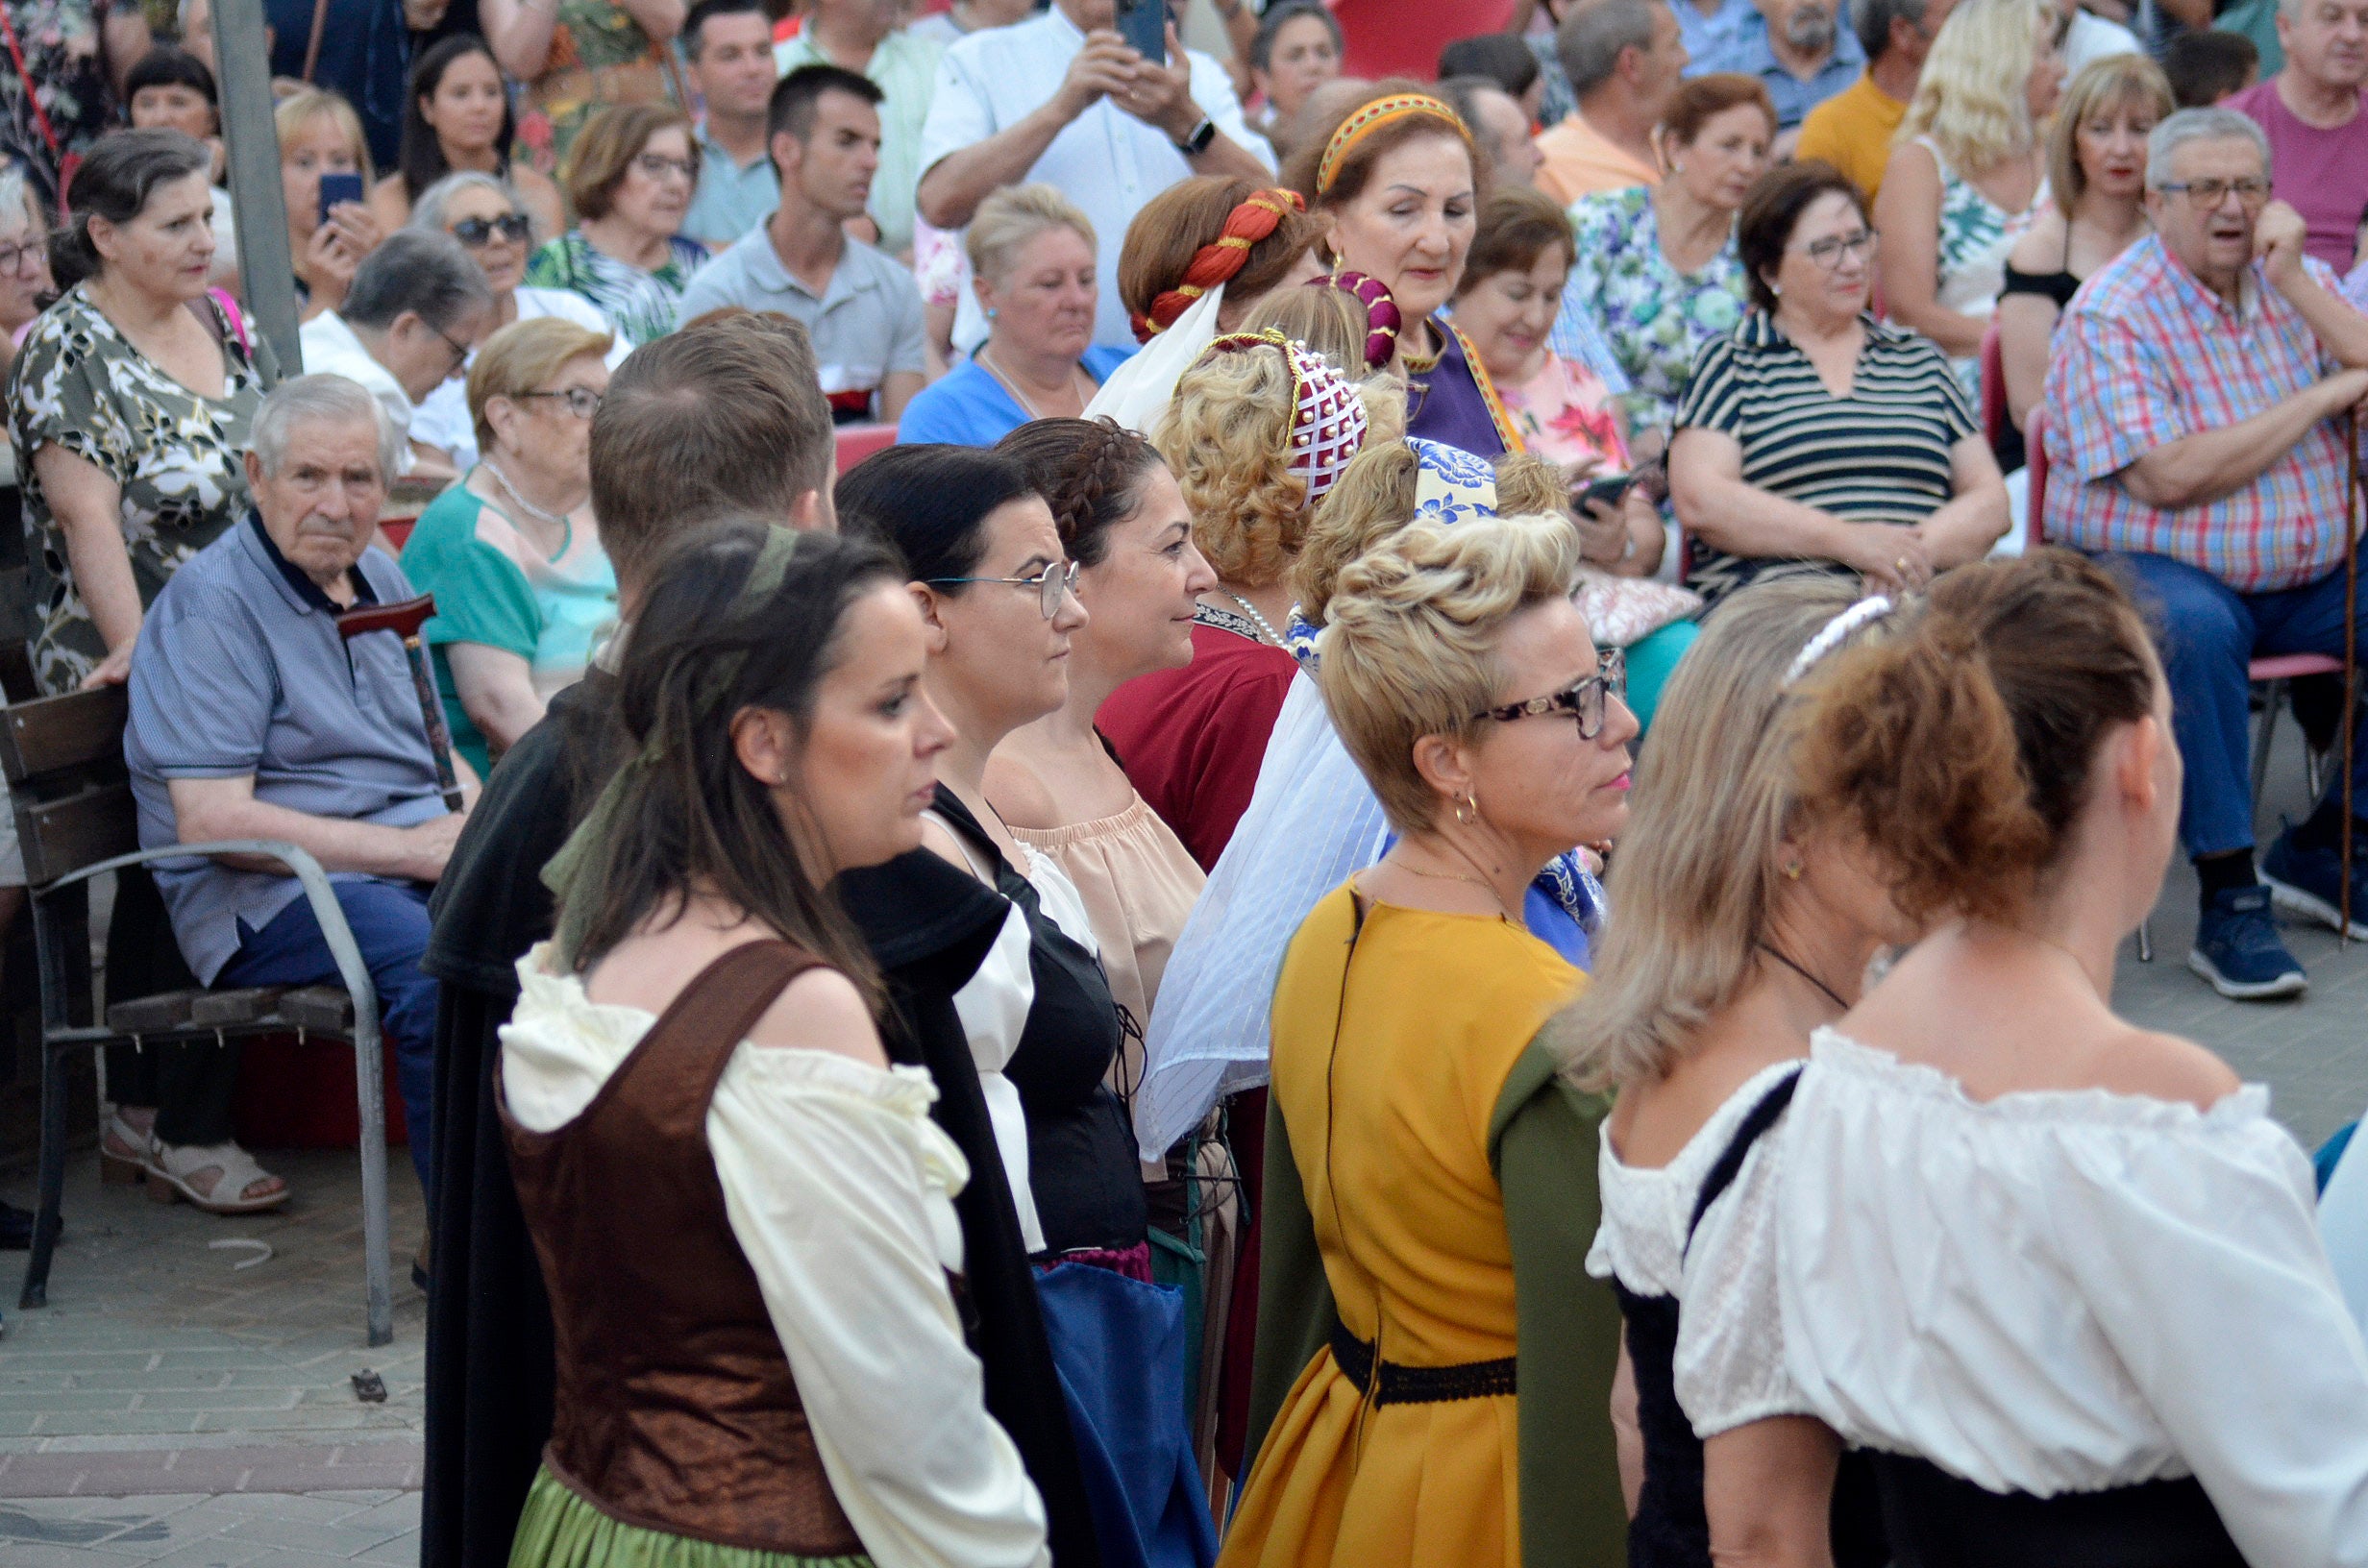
[[1395, 1032]]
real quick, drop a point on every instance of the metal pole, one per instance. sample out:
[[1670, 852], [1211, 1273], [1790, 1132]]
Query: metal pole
[[242, 64]]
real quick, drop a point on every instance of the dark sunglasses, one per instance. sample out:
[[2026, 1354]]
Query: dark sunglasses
[[478, 232], [1588, 701]]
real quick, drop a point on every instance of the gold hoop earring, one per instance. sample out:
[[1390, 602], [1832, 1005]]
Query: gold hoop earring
[[1468, 809]]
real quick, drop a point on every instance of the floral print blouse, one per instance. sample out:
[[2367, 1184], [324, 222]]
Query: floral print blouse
[[177, 457], [642, 304], [1654, 316], [60, 42]]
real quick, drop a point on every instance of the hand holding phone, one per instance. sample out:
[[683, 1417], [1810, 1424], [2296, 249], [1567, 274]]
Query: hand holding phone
[[338, 189], [1605, 490]]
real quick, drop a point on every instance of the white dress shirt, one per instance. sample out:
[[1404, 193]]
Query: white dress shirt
[[330, 349], [839, 1190], [1105, 160]]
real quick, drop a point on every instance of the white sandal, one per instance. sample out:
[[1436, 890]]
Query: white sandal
[[176, 1163], [126, 1153]]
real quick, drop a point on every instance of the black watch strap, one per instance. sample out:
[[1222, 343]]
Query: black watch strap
[[1194, 145]]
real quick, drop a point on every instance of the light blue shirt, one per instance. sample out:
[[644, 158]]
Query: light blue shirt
[[1794, 98], [731, 199], [239, 673], [866, 324], [1710, 37], [969, 407]]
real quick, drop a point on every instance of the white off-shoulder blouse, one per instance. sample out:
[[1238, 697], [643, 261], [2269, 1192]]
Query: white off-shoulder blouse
[[840, 1191], [2046, 1292], [1647, 1211]]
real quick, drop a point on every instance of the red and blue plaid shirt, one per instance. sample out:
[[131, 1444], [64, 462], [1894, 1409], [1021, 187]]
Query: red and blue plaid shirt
[[2146, 354]]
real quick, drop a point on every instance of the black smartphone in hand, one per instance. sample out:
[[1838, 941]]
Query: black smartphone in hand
[[1608, 488], [337, 188], [1144, 24]]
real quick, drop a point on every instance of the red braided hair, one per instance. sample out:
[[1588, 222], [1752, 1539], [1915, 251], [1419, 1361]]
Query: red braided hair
[[1216, 262]]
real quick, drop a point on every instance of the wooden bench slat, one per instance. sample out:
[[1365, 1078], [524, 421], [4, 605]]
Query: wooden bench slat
[[152, 1014], [60, 837], [58, 732], [227, 1009], [326, 1008]]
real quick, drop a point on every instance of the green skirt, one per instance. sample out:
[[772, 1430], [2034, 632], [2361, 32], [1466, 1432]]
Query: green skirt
[[560, 1530]]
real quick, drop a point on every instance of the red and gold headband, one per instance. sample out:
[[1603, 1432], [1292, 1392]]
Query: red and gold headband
[[1371, 117], [1328, 422], [1218, 261]]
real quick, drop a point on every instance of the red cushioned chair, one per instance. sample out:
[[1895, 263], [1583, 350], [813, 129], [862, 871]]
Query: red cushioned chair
[[857, 442], [2272, 676], [1995, 417]]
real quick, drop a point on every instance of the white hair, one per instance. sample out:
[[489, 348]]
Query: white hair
[[324, 398], [428, 212], [2163, 142]]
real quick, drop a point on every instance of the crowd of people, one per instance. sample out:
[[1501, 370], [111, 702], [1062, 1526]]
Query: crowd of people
[[1089, 987]]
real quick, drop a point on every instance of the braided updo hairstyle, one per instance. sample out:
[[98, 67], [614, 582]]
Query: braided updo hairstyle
[[1089, 470]]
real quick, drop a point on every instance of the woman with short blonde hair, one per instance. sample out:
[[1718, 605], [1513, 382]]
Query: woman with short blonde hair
[[512, 554], [320, 134], [1480, 713], [1031, 255], [1967, 174]]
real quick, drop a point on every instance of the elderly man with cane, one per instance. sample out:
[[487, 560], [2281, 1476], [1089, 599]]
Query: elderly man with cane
[[2201, 420], [254, 715]]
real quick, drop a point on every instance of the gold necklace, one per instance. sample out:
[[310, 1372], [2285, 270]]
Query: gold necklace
[[1456, 876]]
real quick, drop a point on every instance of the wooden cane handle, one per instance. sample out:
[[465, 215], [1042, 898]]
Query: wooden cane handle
[[403, 619]]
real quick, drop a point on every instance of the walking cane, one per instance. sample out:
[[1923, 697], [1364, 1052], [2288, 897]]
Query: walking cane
[[404, 620], [2350, 649]]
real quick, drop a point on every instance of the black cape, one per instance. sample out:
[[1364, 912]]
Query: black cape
[[490, 1345]]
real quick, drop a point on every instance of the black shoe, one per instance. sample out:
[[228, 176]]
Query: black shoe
[[16, 1228]]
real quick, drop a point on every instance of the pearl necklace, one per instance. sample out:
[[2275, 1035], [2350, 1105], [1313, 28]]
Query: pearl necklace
[[1259, 621], [556, 520]]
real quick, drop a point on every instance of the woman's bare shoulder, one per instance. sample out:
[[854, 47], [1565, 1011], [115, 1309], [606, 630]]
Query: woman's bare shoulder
[[2163, 1067], [2042, 247]]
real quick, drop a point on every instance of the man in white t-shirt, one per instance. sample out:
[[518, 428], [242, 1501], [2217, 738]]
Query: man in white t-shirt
[[1063, 98]]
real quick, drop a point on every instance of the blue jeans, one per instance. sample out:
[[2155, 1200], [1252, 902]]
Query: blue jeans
[[391, 927], [2209, 632]]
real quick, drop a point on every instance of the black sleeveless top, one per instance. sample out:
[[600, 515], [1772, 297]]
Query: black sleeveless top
[[1670, 1528], [1080, 1148]]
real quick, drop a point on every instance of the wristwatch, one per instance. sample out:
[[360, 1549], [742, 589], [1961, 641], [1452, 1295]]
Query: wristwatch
[[1194, 145]]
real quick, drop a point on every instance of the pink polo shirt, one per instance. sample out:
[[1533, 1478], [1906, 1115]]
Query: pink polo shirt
[[2322, 174]]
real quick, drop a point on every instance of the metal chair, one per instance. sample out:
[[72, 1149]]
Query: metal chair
[[2273, 678], [75, 819]]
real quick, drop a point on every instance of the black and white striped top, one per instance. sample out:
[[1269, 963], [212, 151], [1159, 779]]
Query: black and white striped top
[[1882, 454]]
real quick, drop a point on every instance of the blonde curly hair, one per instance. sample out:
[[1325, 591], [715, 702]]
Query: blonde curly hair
[[1411, 648], [1226, 434], [1374, 498]]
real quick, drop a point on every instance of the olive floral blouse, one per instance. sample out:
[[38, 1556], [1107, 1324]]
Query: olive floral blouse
[[178, 457]]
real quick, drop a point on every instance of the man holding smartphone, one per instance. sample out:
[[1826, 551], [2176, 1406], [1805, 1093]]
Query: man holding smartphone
[[1064, 97]]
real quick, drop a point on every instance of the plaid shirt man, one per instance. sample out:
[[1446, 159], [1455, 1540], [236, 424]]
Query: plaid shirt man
[[2147, 355]]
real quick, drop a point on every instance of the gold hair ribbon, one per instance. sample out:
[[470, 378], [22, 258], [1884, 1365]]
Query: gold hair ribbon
[[1371, 117]]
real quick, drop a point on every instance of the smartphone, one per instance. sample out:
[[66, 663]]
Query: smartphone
[[1144, 24], [337, 188], [1607, 488]]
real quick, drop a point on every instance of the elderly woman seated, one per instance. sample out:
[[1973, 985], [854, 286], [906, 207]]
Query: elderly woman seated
[[512, 554], [489, 219], [1032, 255], [1814, 437]]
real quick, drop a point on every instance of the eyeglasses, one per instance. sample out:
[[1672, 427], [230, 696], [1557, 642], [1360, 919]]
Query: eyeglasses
[[2204, 195], [15, 257], [460, 350], [657, 166], [1828, 252], [478, 232], [1051, 584], [1588, 701], [581, 401]]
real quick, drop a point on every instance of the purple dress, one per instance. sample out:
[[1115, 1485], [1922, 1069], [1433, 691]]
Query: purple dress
[[1454, 403]]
